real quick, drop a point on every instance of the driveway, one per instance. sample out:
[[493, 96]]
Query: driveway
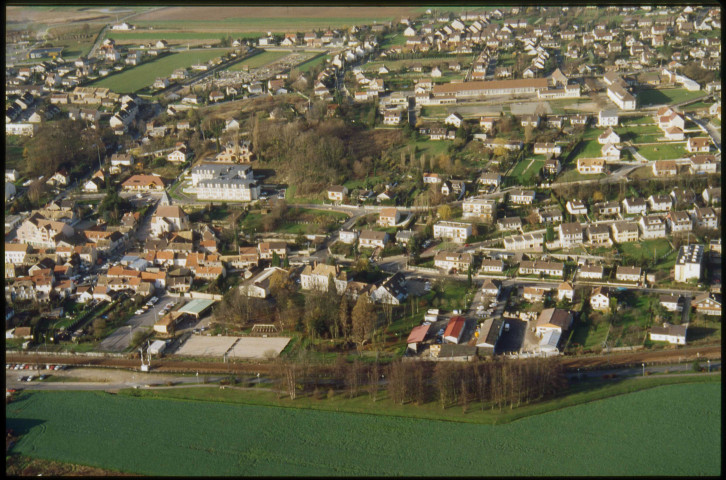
[[120, 340]]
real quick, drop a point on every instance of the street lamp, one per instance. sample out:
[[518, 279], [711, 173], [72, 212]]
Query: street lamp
[[643, 369], [709, 365]]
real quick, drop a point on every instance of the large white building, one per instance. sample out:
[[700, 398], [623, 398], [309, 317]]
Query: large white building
[[688, 263], [224, 182], [318, 277], [456, 231]]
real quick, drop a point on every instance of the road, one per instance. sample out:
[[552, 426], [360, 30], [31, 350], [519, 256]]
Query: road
[[706, 126]]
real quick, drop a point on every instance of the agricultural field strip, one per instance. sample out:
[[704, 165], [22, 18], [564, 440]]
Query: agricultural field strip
[[240, 437]]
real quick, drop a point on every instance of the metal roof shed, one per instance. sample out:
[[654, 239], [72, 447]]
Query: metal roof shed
[[196, 307]]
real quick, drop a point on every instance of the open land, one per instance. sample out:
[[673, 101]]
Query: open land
[[609, 437]]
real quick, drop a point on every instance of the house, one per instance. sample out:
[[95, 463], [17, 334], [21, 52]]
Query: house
[[703, 164], [168, 218], [490, 178], [452, 261], [487, 123], [551, 214], [372, 239], [625, 232], [553, 319], [576, 207], [628, 274], [652, 226], [590, 271], [660, 203], [607, 208], [711, 195], [490, 289], [688, 263], [455, 231], [705, 218], [608, 136], [348, 236], [179, 154], [600, 299], [598, 234], [679, 222], [389, 217], [509, 223], [607, 118], [392, 117], [552, 166], [454, 119], [610, 152], [455, 329], [570, 234], [404, 237], [707, 304], [634, 206], [665, 168], [530, 121], [535, 294], [526, 242], [547, 148], [267, 250], [537, 267], [674, 334], [317, 277], [391, 291], [522, 197], [672, 302], [698, 144], [590, 166], [143, 183], [337, 193]]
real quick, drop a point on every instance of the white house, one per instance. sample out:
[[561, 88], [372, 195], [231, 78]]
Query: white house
[[675, 334], [456, 231], [600, 299], [454, 119], [607, 119]]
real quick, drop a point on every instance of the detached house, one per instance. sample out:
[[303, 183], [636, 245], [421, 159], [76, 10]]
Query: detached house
[[452, 261], [600, 299], [336, 193], [372, 239], [628, 274], [698, 145], [652, 227]]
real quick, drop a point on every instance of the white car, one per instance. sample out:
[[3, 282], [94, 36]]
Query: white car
[[138, 312]]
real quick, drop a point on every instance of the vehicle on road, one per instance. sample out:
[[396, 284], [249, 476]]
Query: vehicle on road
[[506, 327]]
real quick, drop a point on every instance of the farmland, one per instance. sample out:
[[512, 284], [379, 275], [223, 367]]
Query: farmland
[[678, 424], [145, 74]]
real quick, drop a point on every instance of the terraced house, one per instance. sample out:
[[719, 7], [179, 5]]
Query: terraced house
[[537, 267], [453, 261]]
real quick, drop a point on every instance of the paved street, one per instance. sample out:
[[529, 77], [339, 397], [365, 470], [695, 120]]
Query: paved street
[[120, 340]]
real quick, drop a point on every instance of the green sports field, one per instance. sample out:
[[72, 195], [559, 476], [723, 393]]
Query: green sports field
[[667, 430], [144, 75]]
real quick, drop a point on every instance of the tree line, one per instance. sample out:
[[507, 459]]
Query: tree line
[[491, 384]]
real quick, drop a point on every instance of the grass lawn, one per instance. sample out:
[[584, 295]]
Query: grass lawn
[[13, 152], [291, 198], [625, 121], [432, 148], [666, 96], [590, 335], [640, 134], [392, 40], [666, 151], [173, 37], [590, 149], [526, 170], [643, 250], [258, 60], [574, 176], [144, 75], [679, 423], [312, 63]]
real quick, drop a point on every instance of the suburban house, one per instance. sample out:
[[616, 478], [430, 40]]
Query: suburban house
[[628, 274], [703, 163], [389, 217], [538, 267], [491, 266], [634, 206], [336, 193], [547, 148], [625, 232], [452, 261], [483, 208], [576, 207], [372, 239], [600, 299], [143, 183], [679, 222], [590, 166], [607, 208], [509, 223], [707, 304], [698, 144], [168, 218], [652, 226], [565, 291], [590, 271], [526, 242], [705, 217], [521, 197], [608, 136], [317, 277], [535, 294], [665, 168], [490, 289], [598, 234], [348, 236], [674, 334], [660, 203], [672, 302], [550, 326], [570, 234], [391, 291]]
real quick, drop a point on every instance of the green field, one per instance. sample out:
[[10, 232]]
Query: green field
[[589, 336], [526, 170], [667, 96], [144, 75], [173, 37], [677, 424], [258, 60], [667, 151], [279, 24], [310, 64]]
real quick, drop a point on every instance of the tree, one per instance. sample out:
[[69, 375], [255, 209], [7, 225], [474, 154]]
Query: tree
[[99, 325], [275, 260], [444, 212], [363, 320], [344, 323]]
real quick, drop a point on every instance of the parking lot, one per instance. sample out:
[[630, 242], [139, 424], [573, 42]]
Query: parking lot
[[120, 340], [512, 340]]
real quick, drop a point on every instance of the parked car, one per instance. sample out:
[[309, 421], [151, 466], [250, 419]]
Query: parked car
[[506, 327]]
